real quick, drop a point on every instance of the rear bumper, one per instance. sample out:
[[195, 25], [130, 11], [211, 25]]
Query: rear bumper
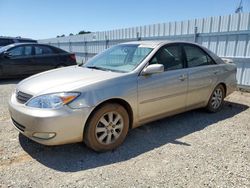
[[65, 124]]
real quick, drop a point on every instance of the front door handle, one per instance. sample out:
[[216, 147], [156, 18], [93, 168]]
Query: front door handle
[[182, 77]]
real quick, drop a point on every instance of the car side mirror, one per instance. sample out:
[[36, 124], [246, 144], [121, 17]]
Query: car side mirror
[[6, 54], [153, 69]]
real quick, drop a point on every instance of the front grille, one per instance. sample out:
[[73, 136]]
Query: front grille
[[18, 126], [22, 97]]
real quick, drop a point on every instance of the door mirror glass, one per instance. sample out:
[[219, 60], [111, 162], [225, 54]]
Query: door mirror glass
[[153, 69]]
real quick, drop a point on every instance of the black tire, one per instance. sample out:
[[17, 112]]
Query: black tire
[[97, 140], [215, 104]]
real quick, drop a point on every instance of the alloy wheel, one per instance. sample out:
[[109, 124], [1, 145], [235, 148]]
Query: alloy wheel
[[109, 128], [217, 98]]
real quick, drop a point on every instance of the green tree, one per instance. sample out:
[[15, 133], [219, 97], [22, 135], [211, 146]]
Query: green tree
[[83, 32]]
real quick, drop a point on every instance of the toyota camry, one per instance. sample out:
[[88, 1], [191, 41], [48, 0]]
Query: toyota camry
[[121, 88]]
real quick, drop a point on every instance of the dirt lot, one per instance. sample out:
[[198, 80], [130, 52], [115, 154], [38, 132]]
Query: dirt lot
[[193, 149]]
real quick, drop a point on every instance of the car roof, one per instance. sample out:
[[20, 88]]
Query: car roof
[[29, 43], [17, 38], [4, 48], [149, 43], [155, 43], [25, 43]]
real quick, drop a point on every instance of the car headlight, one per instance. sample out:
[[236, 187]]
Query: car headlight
[[52, 101]]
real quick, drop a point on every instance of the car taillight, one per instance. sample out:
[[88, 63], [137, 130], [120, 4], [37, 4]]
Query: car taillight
[[73, 57]]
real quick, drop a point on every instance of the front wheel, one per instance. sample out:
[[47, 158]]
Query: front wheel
[[216, 100], [107, 127]]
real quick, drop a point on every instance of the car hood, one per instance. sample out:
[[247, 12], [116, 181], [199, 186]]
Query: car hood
[[63, 80]]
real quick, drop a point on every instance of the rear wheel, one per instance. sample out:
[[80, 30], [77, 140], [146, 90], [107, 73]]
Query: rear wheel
[[107, 128], [216, 100]]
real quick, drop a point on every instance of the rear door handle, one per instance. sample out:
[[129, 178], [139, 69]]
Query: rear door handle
[[182, 77]]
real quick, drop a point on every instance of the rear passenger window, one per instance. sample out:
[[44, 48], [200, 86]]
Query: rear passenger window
[[170, 57], [28, 50], [42, 50], [197, 57]]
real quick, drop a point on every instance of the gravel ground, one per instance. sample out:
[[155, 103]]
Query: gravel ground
[[193, 149]]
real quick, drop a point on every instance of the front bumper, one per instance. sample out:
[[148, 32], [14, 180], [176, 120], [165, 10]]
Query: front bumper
[[65, 124]]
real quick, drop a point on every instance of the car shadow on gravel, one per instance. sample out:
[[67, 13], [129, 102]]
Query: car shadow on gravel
[[77, 157]]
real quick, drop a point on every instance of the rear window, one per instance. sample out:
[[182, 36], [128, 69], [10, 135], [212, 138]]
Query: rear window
[[58, 50], [42, 50]]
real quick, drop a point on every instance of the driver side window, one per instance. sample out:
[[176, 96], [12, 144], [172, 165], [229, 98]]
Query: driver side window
[[21, 51], [18, 51], [170, 56]]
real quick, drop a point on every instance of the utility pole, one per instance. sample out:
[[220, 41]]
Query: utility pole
[[239, 9]]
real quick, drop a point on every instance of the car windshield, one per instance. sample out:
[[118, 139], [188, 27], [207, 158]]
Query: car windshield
[[4, 48], [120, 58]]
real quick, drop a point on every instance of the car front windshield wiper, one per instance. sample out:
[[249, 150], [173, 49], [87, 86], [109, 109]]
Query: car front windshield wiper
[[98, 68], [104, 69]]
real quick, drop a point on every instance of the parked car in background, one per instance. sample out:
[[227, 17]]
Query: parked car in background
[[4, 41], [124, 87], [24, 59]]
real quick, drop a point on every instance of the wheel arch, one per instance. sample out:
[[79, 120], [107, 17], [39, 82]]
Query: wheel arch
[[119, 101], [224, 86], [219, 83]]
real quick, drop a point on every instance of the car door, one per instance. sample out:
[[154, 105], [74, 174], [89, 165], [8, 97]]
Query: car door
[[202, 77], [45, 58], [163, 93], [18, 61]]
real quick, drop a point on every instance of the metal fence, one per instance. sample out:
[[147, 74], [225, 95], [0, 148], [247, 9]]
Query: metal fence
[[227, 36]]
